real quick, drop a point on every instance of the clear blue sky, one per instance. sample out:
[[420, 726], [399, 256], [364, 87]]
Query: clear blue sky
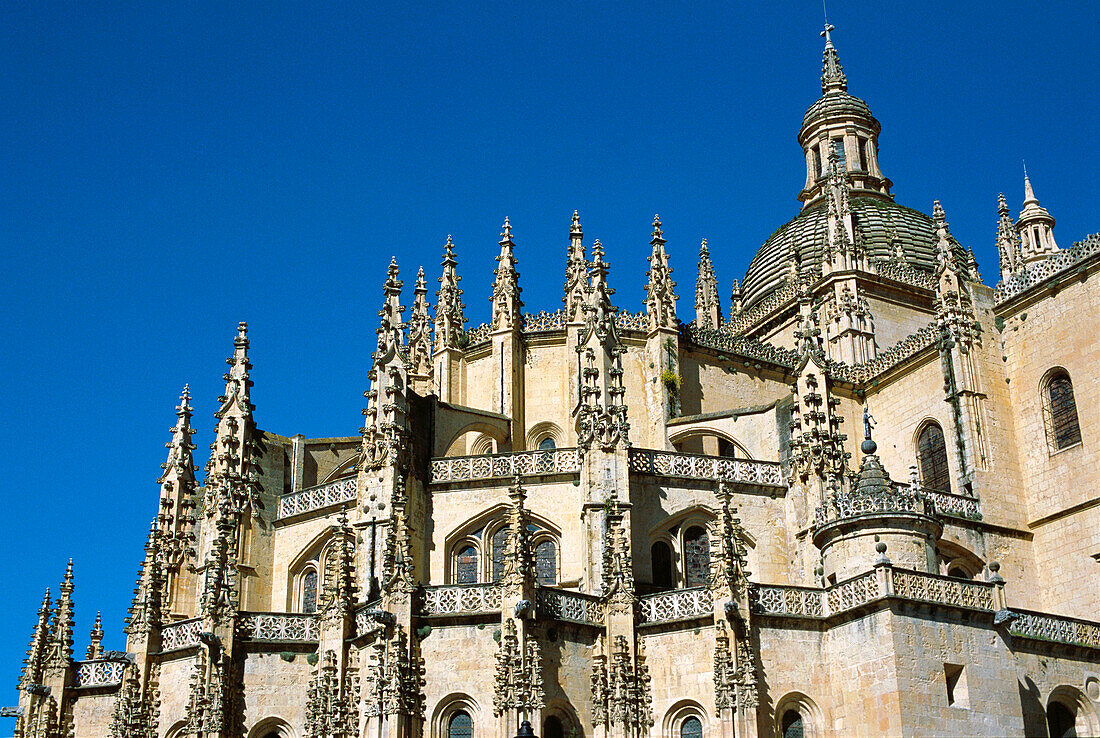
[[171, 168]]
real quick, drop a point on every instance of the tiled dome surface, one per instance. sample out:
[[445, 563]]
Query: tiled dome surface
[[836, 103]]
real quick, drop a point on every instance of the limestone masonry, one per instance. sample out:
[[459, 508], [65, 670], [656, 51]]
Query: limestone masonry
[[858, 499]]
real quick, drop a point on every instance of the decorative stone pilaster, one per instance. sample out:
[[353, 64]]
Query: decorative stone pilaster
[[849, 325], [330, 711], [136, 710]]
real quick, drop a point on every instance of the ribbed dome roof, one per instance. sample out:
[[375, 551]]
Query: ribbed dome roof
[[875, 218], [837, 103]]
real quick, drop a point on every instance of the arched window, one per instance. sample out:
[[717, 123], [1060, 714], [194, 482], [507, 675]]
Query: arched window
[[551, 728], [1060, 412], [460, 725], [696, 556], [1061, 721], [546, 563], [691, 728], [547, 444], [466, 566], [500, 550], [958, 573], [792, 724], [661, 560], [932, 455], [309, 591]]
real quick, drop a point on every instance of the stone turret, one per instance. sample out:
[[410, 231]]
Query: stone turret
[[507, 337], [660, 302], [1035, 227]]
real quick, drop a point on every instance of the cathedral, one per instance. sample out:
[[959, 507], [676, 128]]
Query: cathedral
[[858, 498]]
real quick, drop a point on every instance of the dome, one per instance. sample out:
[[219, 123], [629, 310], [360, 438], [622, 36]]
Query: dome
[[875, 217], [838, 104]]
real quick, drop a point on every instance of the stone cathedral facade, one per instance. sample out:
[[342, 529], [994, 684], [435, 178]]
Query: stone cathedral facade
[[858, 498]]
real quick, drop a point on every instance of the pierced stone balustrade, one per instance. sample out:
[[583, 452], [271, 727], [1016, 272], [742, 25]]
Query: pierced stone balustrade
[[1039, 272], [461, 599], [1042, 627], [503, 466], [914, 585], [794, 601], [862, 502], [315, 498], [679, 604], [100, 673], [561, 604], [955, 506], [182, 634], [282, 627], [698, 466]]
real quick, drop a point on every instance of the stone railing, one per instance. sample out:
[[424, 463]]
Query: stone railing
[[562, 604], [901, 271], [696, 466], [543, 321], [314, 498], [850, 594], [625, 321], [1038, 626], [182, 634], [678, 604], [775, 300], [270, 626], [478, 334], [491, 466], [851, 504], [900, 352], [461, 599], [913, 585], [725, 340], [805, 602], [1041, 271], [99, 673], [364, 623], [955, 506]]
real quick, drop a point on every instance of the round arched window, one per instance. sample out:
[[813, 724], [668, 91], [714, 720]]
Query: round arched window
[[691, 728], [932, 455], [551, 728], [309, 591], [546, 563], [547, 444], [792, 724], [460, 725], [661, 561], [466, 565]]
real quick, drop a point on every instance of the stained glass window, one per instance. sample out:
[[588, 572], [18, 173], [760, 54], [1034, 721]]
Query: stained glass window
[[500, 550], [309, 591], [932, 455], [838, 147], [696, 556], [691, 728], [547, 444], [460, 726], [661, 560], [546, 563], [792, 725], [466, 566], [1061, 410]]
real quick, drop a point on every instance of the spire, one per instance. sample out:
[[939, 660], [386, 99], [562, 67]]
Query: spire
[[660, 299], [450, 322], [37, 651], [145, 608], [61, 648], [576, 272], [708, 311], [1035, 227], [176, 520], [506, 289], [390, 335], [1029, 194], [384, 429], [95, 638], [231, 460], [219, 596], [832, 74], [1009, 250], [420, 331]]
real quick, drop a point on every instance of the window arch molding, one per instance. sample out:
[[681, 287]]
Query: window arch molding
[[313, 555], [272, 726], [935, 466], [447, 707], [566, 715], [956, 557], [454, 551], [1077, 702], [812, 717], [1058, 399], [479, 531], [681, 711], [540, 432], [672, 531], [702, 432]]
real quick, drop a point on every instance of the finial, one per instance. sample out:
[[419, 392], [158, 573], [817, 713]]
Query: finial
[[832, 73], [575, 228], [868, 446], [827, 33], [703, 247], [506, 232], [1029, 193], [449, 248], [1002, 206], [938, 216], [420, 284], [597, 251], [658, 234]]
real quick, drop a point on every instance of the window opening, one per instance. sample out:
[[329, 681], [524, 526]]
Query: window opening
[[551, 728], [1061, 410], [546, 563], [500, 546], [466, 566], [932, 455], [838, 147], [547, 444], [956, 685], [817, 161], [1061, 722], [460, 725], [661, 561], [696, 556], [863, 164], [691, 728], [792, 725], [309, 591]]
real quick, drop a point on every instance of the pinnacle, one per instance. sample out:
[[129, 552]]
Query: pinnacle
[[575, 228], [1002, 206], [597, 251], [449, 249], [658, 234], [832, 73], [1029, 193], [506, 231], [938, 216], [703, 250], [420, 284]]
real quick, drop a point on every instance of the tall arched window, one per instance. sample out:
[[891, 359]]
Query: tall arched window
[[1060, 411], [547, 444], [661, 561], [546, 563], [792, 724], [309, 591], [932, 455], [691, 728], [460, 725], [500, 549], [466, 565], [696, 556]]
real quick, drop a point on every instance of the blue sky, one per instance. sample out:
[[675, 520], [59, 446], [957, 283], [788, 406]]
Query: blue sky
[[171, 168]]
